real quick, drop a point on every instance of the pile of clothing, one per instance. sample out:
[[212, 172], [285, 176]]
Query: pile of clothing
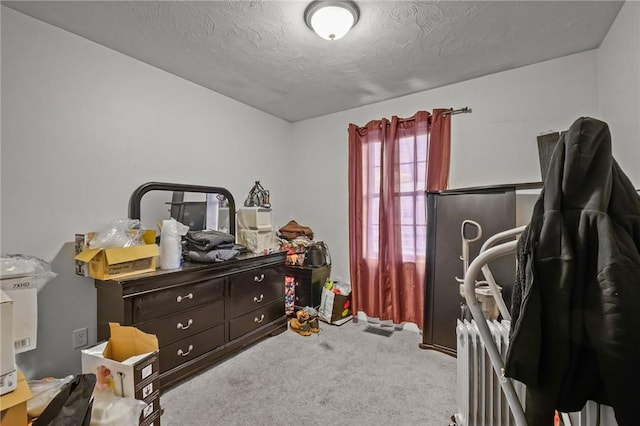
[[298, 241], [292, 231], [295, 239], [209, 246]]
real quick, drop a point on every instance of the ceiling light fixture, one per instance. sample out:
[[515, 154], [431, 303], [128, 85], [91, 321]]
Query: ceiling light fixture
[[331, 20]]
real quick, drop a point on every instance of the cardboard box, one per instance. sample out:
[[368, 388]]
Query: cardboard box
[[128, 362], [334, 308], [81, 243], [151, 409], [106, 264], [8, 374], [153, 420], [25, 311], [13, 405]]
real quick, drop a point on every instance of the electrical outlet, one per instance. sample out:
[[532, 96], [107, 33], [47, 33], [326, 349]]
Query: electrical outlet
[[80, 338]]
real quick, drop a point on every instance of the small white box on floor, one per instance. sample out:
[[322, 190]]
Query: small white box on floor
[[127, 363]]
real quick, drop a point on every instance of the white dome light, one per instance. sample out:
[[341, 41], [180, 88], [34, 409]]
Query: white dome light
[[331, 20]]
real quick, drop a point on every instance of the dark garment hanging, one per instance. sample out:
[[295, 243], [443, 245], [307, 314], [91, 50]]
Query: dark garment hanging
[[575, 333]]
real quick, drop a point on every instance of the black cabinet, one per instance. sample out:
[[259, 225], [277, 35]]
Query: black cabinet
[[494, 208], [308, 284]]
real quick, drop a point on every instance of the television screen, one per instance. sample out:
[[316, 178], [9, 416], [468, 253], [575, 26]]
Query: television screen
[[193, 214]]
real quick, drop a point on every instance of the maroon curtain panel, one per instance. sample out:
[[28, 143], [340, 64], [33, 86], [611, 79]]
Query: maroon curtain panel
[[391, 165], [439, 156]]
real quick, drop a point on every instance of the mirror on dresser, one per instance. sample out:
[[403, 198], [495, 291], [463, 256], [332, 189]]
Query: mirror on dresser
[[199, 207], [201, 313]]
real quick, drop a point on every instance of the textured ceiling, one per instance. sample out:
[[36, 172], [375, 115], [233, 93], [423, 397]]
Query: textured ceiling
[[261, 53]]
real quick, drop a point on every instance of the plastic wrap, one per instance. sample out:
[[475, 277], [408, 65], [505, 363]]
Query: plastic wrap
[[19, 265], [111, 410], [119, 233], [72, 404], [43, 391]]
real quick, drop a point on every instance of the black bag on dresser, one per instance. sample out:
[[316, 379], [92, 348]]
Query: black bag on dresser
[[317, 255]]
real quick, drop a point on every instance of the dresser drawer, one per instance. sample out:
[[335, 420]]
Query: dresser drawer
[[254, 280], [255, 319], [164, 302], [184, 324], [267, 293], [191, 347]]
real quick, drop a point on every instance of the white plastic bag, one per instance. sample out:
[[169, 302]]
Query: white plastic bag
[[43, 391], [13, 266], [111, 410], [119, 233]]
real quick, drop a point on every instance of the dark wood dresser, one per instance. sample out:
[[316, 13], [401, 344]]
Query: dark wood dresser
[[201, 313]]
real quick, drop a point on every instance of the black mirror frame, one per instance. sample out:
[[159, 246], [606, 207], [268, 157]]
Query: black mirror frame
[[136, 197]]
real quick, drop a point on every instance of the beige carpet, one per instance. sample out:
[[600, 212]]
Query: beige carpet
[[341, 375]]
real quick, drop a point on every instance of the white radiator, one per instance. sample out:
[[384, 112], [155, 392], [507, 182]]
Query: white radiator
[[481, 401]]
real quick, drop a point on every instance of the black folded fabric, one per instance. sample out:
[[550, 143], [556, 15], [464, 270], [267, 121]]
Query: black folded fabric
[[212, 256], [207, 239]]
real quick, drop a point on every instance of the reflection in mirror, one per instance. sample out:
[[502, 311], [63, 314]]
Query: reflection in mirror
[[198, 206], [197, 210], [200, 211]]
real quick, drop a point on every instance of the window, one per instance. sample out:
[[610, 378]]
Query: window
[[409, 175]]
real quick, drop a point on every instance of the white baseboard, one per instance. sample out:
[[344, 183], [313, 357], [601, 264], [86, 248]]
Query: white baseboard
[[410, 326]]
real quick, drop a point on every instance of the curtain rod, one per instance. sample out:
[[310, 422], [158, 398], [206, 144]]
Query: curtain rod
[[457, 111]]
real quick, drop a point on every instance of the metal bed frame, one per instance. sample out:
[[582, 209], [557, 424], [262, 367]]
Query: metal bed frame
[[488, 252]]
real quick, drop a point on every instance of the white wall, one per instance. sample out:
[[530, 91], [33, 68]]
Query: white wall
[[619, 88], [494, 144], [82, 127]]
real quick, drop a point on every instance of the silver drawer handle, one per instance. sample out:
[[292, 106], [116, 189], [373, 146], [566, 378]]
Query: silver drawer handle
[[260, 319], [184, 327], [258, 280], [182, 353], [181, 298], [258, 300]]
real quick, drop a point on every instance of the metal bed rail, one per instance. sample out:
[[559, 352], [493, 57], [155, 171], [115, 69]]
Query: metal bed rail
[[489, 252]]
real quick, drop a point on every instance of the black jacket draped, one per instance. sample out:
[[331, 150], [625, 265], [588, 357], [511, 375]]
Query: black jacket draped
[[575, 333]]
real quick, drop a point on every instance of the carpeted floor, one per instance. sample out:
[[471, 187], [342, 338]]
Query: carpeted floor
[[342, 375]]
